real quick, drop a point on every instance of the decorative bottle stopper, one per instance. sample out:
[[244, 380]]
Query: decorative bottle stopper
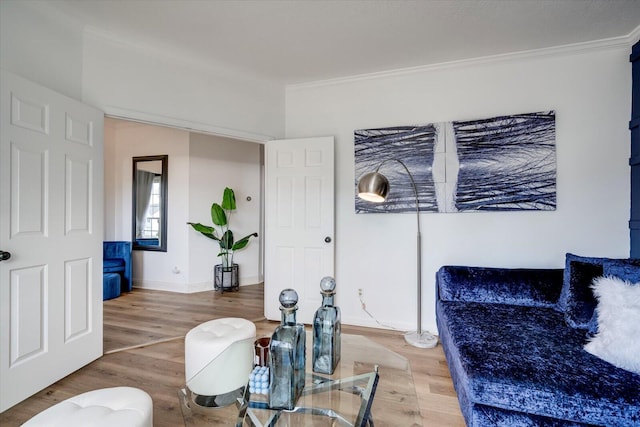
[[326, 330], [287, 351], [288, 300]]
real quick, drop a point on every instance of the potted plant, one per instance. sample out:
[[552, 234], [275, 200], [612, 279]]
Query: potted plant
[[226, 274]]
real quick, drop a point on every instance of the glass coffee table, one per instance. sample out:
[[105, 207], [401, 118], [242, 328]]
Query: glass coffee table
[[371, 385]]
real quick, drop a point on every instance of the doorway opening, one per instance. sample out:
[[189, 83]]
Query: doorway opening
[[200, 167]]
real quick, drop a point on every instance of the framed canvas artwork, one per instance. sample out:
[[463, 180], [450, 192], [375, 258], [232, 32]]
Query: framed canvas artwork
[[503, 163]]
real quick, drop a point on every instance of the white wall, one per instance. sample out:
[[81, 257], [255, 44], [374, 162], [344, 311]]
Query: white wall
[[41, 45], [590, 90], [127, 140], [140, 82], [216, 163]]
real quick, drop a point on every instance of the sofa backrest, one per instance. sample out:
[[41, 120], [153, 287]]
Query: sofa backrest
[[527, 287]]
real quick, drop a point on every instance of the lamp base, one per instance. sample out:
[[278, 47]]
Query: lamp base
[[422, 340]]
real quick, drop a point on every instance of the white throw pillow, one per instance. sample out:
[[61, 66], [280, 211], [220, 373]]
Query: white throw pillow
[[618, 338]]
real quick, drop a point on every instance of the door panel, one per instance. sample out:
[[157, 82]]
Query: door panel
[[28, 189], [78, 195], [51, 179], [299, 215], [79, 130], [77, 293], [28, 293], [27, 114]]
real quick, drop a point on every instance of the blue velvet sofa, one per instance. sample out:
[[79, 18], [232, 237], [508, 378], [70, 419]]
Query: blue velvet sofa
[[514, 338], [116, 259]]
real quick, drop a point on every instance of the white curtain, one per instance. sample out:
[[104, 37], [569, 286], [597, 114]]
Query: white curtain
[[144, 184]]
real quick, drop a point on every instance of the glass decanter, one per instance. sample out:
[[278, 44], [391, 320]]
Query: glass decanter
[[287, 351], [326, 330]]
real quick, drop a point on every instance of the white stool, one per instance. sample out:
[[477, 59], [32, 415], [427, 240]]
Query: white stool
[[117, 406], [218, 356]]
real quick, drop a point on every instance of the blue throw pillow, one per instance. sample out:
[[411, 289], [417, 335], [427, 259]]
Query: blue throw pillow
[[576, 299], [592, 327], [627, 269]]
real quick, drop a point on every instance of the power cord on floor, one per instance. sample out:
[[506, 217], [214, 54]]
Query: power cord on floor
[[364, 308]]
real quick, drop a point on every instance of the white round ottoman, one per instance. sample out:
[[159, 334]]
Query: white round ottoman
[[117, 406], [218, 356]]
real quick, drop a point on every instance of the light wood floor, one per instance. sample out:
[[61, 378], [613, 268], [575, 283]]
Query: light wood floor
[[144, 347]]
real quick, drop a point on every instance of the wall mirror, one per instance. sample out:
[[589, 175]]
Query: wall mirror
[[149, 207]]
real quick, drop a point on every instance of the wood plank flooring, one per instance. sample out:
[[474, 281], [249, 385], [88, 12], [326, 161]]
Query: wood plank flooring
[[144, 347]]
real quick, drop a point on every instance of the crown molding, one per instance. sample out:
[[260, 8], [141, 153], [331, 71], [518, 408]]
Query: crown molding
[[634, 36], [187, 125], [622, 42]]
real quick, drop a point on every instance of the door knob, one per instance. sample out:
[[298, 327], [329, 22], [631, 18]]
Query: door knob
[[4, 255], [327, 239]]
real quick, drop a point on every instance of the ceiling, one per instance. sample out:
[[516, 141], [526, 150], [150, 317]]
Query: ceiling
[[308, 40]]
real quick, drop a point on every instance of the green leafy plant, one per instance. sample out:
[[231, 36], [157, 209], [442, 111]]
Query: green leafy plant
[[220, 215]]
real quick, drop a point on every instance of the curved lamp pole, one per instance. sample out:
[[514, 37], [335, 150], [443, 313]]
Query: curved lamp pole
[[374, 187]]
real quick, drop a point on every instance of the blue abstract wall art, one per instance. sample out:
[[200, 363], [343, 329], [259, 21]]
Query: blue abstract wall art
[[504, 163]]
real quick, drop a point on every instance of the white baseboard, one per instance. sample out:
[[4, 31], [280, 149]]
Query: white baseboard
[[199, 287], [160, 286], [249, 280], [189, 287]]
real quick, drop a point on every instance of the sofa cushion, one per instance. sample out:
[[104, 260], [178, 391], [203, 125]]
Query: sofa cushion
[[577, 300], [526, 359], [482, 416], [530, 287]]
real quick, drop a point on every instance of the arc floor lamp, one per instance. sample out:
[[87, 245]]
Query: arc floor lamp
[[374, 187]]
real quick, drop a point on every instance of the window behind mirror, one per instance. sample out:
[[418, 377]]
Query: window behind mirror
[[149, 203]]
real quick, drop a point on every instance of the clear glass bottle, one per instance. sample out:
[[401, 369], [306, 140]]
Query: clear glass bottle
[[287, 351], [326, 330]]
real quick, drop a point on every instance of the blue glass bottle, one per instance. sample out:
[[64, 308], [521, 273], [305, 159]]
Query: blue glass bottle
[[287, 351], [326, 330]]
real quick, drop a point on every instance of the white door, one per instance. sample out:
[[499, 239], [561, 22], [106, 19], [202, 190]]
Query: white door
[[299, 222], [51, 197]]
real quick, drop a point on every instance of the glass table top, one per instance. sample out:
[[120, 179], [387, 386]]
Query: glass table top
[[371, 385]]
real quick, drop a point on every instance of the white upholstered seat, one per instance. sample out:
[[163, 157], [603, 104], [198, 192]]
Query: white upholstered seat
[[219, 355], [116, 406]]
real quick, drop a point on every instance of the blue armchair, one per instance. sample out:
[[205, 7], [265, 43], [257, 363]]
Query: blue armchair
[[116, 258]]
